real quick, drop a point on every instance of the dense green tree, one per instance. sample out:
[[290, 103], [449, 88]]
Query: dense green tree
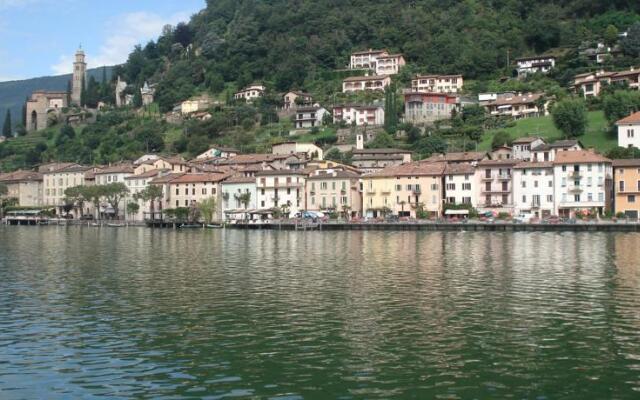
[[631, 43], [6, 128], [570, 117], [151, 194], [382, 140], [501, 138], [610, 35], [433, 144], [620, 104], [113, 194], [623, 152]]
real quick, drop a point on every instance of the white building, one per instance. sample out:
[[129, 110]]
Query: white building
[[361, 115], [532, 65], [59, 177], [218, 152], [309, 117], [361, 83], [629, 131], [234, 191], [389, 64], [533, 189], [311, 150], [547, 152], [250, 93], [283, 188], [460, 185], [521, 147], [496, 187], [582, 182], [138, 183], [367, 59], [437, 83], [115, 174], [518, 105]]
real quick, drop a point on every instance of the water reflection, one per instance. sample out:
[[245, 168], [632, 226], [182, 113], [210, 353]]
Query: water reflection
[[142, 313]]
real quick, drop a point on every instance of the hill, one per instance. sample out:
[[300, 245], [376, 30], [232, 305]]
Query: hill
[[14, 93]]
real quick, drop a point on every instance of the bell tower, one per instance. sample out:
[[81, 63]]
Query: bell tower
[[79, 76]]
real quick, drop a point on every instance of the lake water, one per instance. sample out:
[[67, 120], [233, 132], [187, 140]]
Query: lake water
[[120, 313]]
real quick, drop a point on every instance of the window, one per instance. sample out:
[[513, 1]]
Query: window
[[323, 185], [576, 198], [177, 191], [630, 133], [466, 200], [524, 184], [466, 186], [550, 183], [564, 168], [589, 181], [398, 188], [313, 200], [550, 198], [451, 186], [621, 186], [204, 191], [600, 196], [524, 198], [564, 182], [589, 196], [177, 203], [505, 199], [631, 198]]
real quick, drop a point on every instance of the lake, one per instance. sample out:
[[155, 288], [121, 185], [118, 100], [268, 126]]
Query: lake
[[134, 312]]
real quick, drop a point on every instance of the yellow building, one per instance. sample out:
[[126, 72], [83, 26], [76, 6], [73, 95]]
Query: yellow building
[[404, 189], [627, 187], [23, 186]]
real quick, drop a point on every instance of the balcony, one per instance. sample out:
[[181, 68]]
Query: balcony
[[504, 177], [370, 192], [499, 190], [575, 175], [417, 191], [575, 189]]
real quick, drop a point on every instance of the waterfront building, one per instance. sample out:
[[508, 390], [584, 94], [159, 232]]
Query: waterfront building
[[547, 152], [59, 177], [533, 189], [495, 180], [188, 190], [138, 183], [371, 160], [23, 186], [629, 131], [281, 189], [404, 190], [239, 197], [460, 185], [521, 147], [582, 182], [335, 190], [627, 187]]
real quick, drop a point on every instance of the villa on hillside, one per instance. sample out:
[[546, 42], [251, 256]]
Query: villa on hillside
[[361, 83], [535, 64], [629, 131], [379, 61], [250, 92], [427, 107], [295, 99], [437, 83], [360, 115], [518, 105], [591, 83]]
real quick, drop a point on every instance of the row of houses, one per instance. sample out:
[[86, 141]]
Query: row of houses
[[530, 177]]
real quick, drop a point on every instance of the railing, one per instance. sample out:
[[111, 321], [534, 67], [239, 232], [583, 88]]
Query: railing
[[575, 175], [575, 189]]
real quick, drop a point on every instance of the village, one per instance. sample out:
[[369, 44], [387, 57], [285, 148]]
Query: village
[[529, 180]]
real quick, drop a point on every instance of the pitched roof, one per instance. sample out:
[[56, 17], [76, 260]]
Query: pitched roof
[[365, 78], [490, 163], [631, 162], [526, 139], [526, 98], [370, 51], [535, 58], [527, 165], [283, 172], [116, 169], [166, 178], [335, 174], [381, 151], [410, 169], [631, 119], [149, 174], [21, 176], [200, 177], [459, 156], [579, 156], [240, 179], [558, 144], [459, 169]]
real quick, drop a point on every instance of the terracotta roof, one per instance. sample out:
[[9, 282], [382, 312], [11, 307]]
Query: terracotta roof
[[200, 177], [489, 163], [52, 167], [166, 178], [283, 172], [381, 151], [558, 144], [459, 169], [516, 99], [535, 58], [525, 164], [240, 179], [335, 174], [365, 78], [579, 156], [116, 169], [74, 168], [631, 119], [459, 156], [21, 176], [526, 139], [436, 76], [632, 162], [370, 51], [410, 169], [148, 174]]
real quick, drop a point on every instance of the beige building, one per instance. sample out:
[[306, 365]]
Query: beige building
[[366, 59], [59, 178], [404, 190], [361, 83], [250, 93], [311, 150], [24, 186], [41, 105], [518, 105], [591, 83], [371, 160], [334, 189], [294, 99], [175, 164], [138, 183], [627, 187], [496, 189], [190, 189], [437, 83]]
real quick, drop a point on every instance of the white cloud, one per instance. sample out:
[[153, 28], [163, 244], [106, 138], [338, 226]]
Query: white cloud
[[128, 30]]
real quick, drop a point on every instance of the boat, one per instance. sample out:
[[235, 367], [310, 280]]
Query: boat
[[190, 226], [116, 225], [214, 226], [43, 222], [94, 224]]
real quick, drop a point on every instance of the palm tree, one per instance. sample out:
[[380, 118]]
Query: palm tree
[[245, 199]]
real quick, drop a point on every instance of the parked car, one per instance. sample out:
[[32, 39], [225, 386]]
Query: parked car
[[523, 218]]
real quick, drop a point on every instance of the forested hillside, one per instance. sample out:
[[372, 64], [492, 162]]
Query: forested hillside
[[291, 43]]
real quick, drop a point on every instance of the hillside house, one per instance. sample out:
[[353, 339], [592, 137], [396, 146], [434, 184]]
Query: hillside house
[[250, 93], [629, 131], [427, 107], [309, 117], [534, 64], [295, 99], [361, 83], [518, 106], [361, 115], [437, 83]]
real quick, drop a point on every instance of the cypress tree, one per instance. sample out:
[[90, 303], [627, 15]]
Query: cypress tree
[[83, 94], [69, 89], [6, 128]]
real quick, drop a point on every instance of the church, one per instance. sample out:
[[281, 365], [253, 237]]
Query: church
[[42, 103]]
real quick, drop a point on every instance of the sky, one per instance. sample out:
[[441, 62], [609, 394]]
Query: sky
[[40, 37]]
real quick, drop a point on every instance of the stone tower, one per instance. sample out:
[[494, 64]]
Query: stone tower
[[79, 75]]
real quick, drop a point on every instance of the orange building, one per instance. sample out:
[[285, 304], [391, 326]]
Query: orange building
[[627, 187]]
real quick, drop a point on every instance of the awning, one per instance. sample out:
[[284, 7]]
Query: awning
[[456, 212]]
